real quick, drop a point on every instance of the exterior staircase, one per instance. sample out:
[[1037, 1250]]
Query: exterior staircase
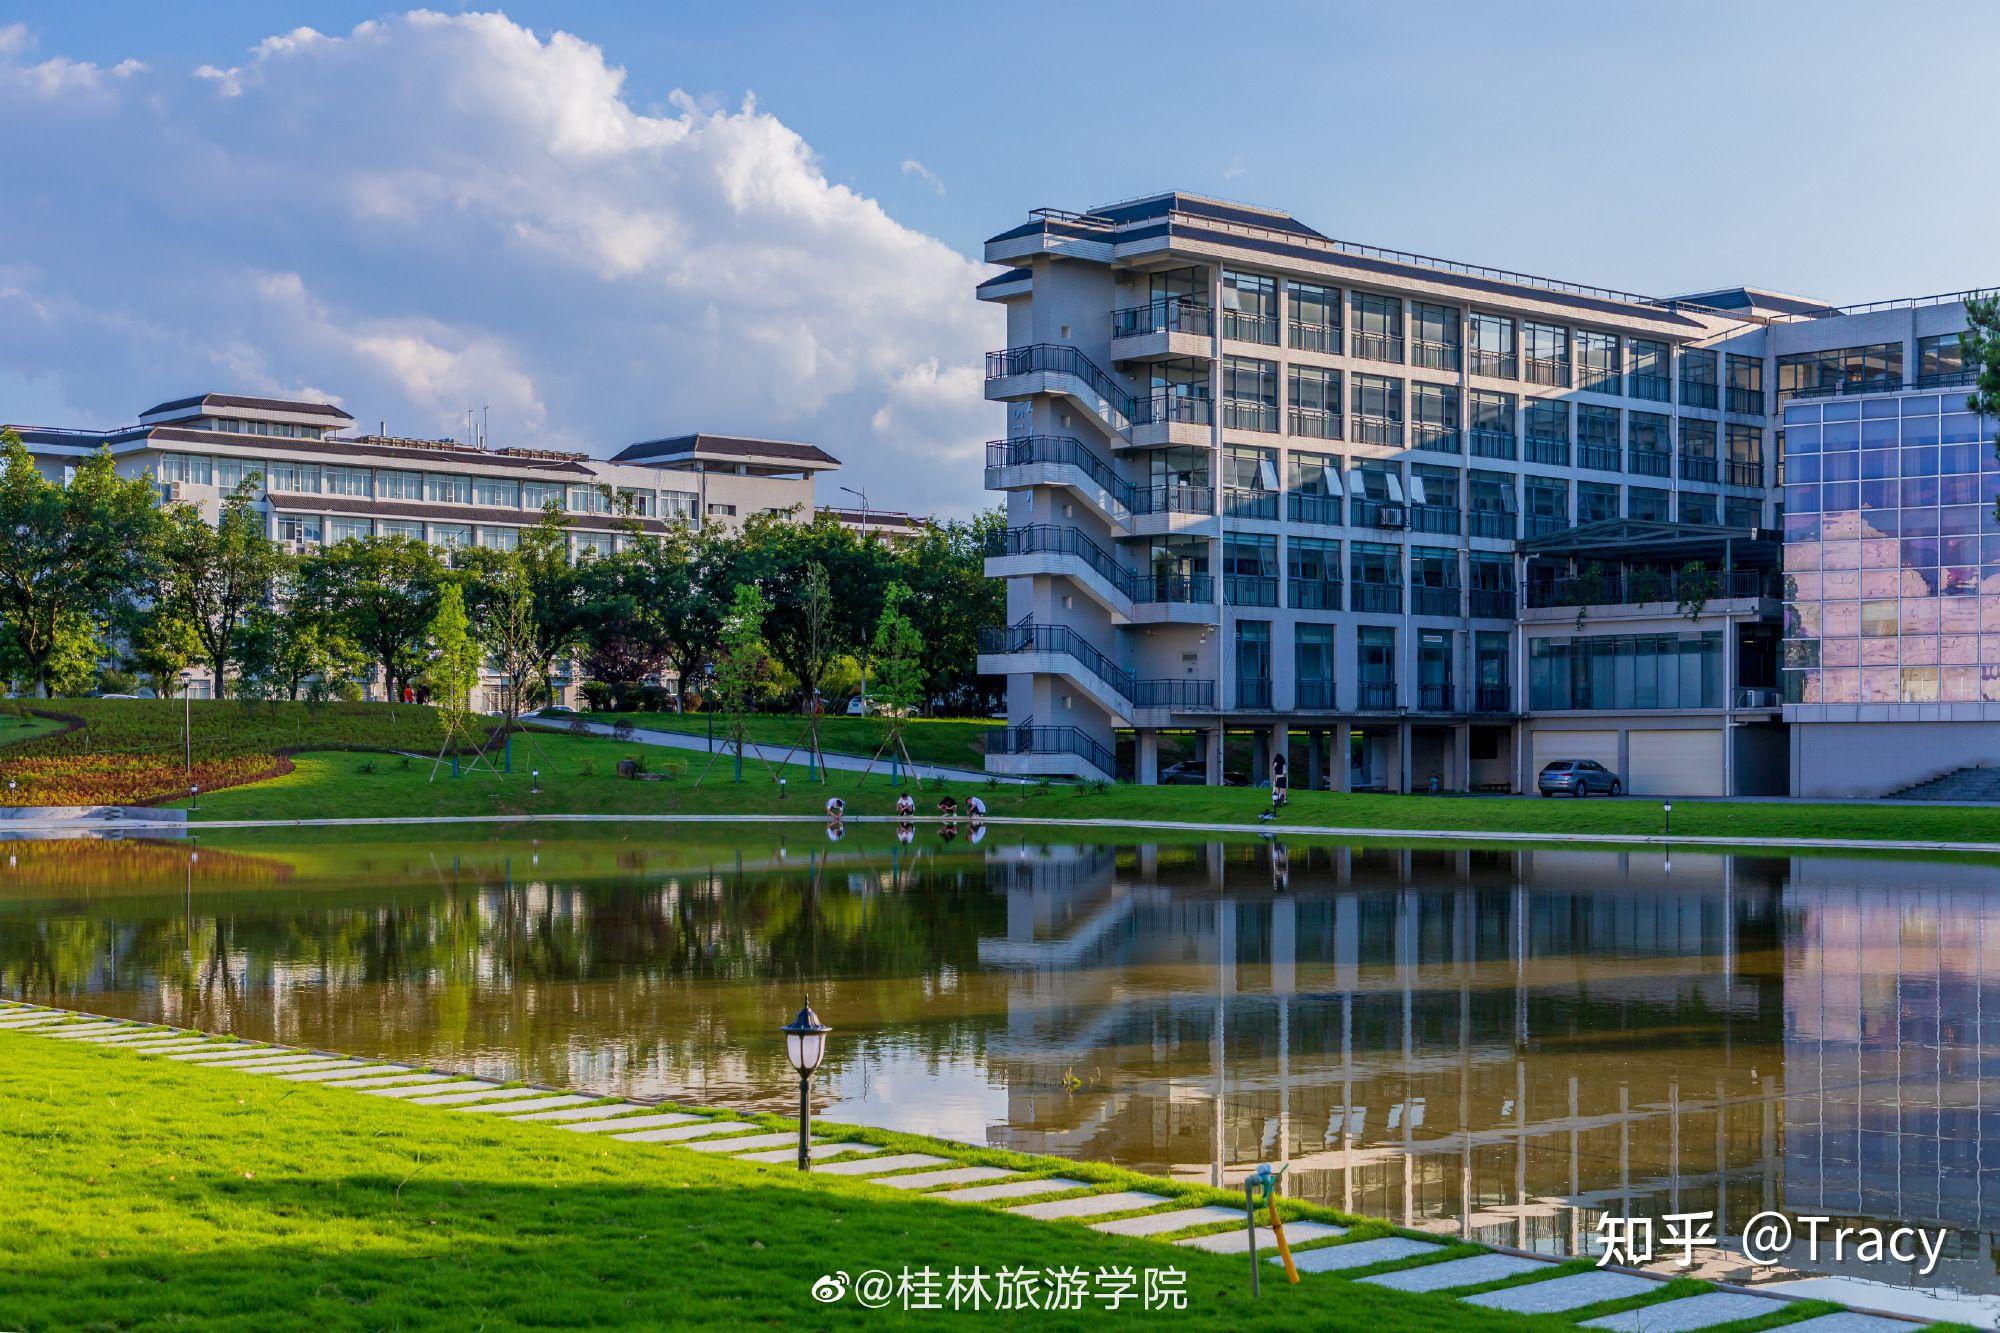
[[1962, 785]]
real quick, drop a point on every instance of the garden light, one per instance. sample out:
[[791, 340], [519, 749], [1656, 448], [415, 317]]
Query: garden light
[[805, 1046]]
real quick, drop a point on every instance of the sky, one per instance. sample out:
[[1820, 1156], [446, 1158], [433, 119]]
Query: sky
[[609, 222]]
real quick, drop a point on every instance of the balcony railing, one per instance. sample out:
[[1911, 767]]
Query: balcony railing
[[1429, 601], [1054, 639], [1493, 444], [1496, 365], [1186, 589], [1253, 693], [1061, 450], [1378, 598], [1597, 457], [1543, 525], [1239, 502], [1377, 696], [1434, 355], [1167, 408], [1750, 402], [1699, 467], [1697, 394], [1551, 370], [1378, 514], [1653, 388], [1634, 587], [1313, 594], [1746, 472], [1548, 449], [1492, 699], [1491, 603], [1249, 328], [1174, 692], [1600, 379], [1434, 697], [1377, 347], [1246, 414], [1314, 695], [1061, 359], [1176, 314], [1434, 518], [1492, 523], [1437, 438], [1316, 337], [1303, 507], [1315, 423], [1249, 590], [1650, 462], [1862, 384], [1047, 538], [1173, 499], [1051, 740], [1377, 430]]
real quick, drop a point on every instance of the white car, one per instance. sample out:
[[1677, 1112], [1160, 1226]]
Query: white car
[[858, 707]]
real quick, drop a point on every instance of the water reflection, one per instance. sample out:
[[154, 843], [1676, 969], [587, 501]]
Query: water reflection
[[1496, 1044]]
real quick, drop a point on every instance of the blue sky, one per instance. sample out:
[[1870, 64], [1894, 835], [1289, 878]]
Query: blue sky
[[1823, 148]]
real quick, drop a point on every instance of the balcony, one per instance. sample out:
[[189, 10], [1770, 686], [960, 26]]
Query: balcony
[[1493, 444], [1176, 694], [1430, 601], [1377, 430], [1548, 449], [1058, 640], [1650, 463], [1492, 699], [1022, 372], [1749, 402], [1597, 457], [1653, 388], [1056, 451], [1241, 502], [1441, 519], [1434, 355], [1315, 423], [1495, 365], [1695, 394], [1378, 598], [1048, 539], [1176, 589], [1323, 338], [1252, 693], [1248, 414], [1248, 328], [1542, 525], [1166, 417], [1249, 590], [1315, 696], [1434, 697], [1491, 603], [1378, 514], [1699, 467], [1550, 370], [1303, 507], [1435, 437], [1377, 696], [1639, 587], [1492, 523], [1178, 314], [1170, 498], [1313, 594], [1377, 347], [1747, 473]]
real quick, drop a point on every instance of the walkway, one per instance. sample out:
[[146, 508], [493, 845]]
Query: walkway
[[1606, 1298], [771, 754]]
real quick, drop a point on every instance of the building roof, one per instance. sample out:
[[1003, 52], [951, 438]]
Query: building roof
[[298, 503], [1011, 275], [1201, 206], [361, 447], [1656, 539], [874, 518], [727, 449], [1758, 301], [208, 400]]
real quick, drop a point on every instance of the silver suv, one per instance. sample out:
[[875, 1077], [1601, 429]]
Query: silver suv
[[1577, 777]]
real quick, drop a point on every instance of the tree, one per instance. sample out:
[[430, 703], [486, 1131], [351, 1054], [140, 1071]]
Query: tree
[[160, 644], [660, 604], [1980, 346], [513, 635], [537, 587], [286, 654], [452, 673], [778, 553], [216, 575], [380, 592], [951, 600], [738, 664], [70, 554], [898, 655], [70, 667]]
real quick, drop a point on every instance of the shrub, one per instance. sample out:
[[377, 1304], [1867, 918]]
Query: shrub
[[621, 730], [367, 766], [118, 779], [597, 694]]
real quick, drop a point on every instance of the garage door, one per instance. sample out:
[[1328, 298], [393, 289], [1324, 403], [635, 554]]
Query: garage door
[[1551, 745], [1675, 763]]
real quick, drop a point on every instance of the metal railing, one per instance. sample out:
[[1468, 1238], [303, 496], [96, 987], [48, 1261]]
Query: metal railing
[[1246, 414], [1315, 423], [1047, 538], [1696, 393], [1173, 692], [1388, 514], [1438, 439], [1164, 407], [1653, 388], [1550, 370], [1317, 695], [1434, 355], [1379, 598], [1172, 314], [1491, 603], [1377, 430], [1173, 499], [1253, 693], [1758, 696], [1250, 328], [1745, 472], [1051, 740], [1649, 462], [1492, 699], [1548, 449], [1699, 467], [1249, 590], [1599, 379], [1313, 594], [1434, 697], [1057, 450], [1544, 525], [1638, 587], [1426, 600], [1491, 523], [1061, 359], [1052, 639], [1305, 507], [1376, 347], [1597, 457], [1376, 696], [1855, 384], [1496, 365], [1316, 337], [1196, 589], [1240, 502], [1434, 518], [1749, 402], [1493, 444]]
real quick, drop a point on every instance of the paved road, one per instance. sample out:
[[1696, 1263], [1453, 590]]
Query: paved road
[[848, 763]]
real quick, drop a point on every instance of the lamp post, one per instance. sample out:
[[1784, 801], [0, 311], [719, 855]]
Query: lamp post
[[194, 795], [1668, 808], [805, 1044], [862, 495], [534, 782], [187, 722]]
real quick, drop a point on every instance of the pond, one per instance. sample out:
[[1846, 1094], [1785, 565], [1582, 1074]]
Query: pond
[[1499, 1044]]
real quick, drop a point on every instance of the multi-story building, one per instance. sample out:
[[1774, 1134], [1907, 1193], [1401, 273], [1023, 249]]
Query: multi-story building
[[320, 481], [1419, 522]]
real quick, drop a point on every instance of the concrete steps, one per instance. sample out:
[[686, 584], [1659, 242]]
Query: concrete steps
[[1962, 785]]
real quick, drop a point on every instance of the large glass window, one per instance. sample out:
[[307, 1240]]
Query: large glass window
[[1312, 567], [349, 481], [1493, 509], [1249, 307], [1253, 664], [1745, 384], [1621, 671], [1493, 346], [1434, 417], [443, 487], [1433, 498], [1436, 328], [391, 485], [1378, 409], [1375, 570], [1597, 362], [1312, 665], [1646, 504], [1434, 581], [295, 478], [1649, 447], [1378, 327], [1597, 437], [1547, 351], [1491, 585], [1547, 505], [347, 529], [1249, 570], [189, 469], [1249, 394], [496, 492], [1315, 493], [541, 494], [1700, 377], [1841, 370], [1492, 418], [1646, 370], [1315, 317], [1315, 400], [1250, 481], [1940, 359], [1596, 502], [1375, 665], [1746, 455]]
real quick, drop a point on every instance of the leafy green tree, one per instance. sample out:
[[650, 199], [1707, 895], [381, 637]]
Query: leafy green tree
[[160, 644], [513, 633], [779, 553], [898, 656], [379, 592], [217, 574], [287, 654], [951, 600], [537, 589], [72, 554], [452, 671], [1981, 348], [662, 600], [739, 664]]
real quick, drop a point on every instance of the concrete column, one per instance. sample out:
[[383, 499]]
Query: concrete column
[[1279, 742], [1315, 756], [1260, 755], [1147, 743], [1461, 756], [1337, 756], [1212, 738], [1399, 760]]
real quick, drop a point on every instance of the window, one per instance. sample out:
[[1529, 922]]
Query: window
[[1249, 570], [293, 478], [1315, 317], [1492, 417], [1492, 505], [1378, 409], [1597, 362], [1597, 437], [1698, 377], [1493, 347], [1249, 394], [399, 485], [1436, 328], [635, 502], [541, 494], [1250, 481], [233, 472], [721, 511], [588, 499], [1249, 307], [1547, 349], [1596, 502], [1315, 495], [1433, 498], [1646, 503], [1312, 665], [349, 481], [1253, 664], [451, 536], [347, 529], [399, 528], [1841, 370], [1491, 584], [1646, 370], [499, 539], [1434, 655], [1738, 512], [1376, 571], [1620, 671], [444, 488], [1491, 653], [1375, 663], [1548, 431], [678, 505], [1434, 417], [1940, 359], [1434, 581], [496, 492], [1746, 455], [1547, 505], [1650, 450], [1378, 327], [1312, 566], [299, 529], [1315, 400], [1745, 384], [191, 469], [587, 544]]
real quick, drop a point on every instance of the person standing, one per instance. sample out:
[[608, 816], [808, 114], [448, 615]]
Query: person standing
[[1280, 784]]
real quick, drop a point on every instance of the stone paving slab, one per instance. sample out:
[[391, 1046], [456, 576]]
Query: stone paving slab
[[1156, 1224], [604, 1112], [1090, 1205], [1690, 1312], [696, 1123], [1234, 1241], [439, 1097], [958, 1175], [894, 1162], [539, 1104], [746, 1142], [1564, 1293], [1473, 1272], [409, 1080], [823, 1149], [285, 1063], [1359, 1254], [132, 1034], [331, 1066], [356, 1070], [228, 1052], [422, 1090], [675, 1134], [1013, 1189], [1847, 1321], [32, 1020], [74, 1031], [168, 1047]]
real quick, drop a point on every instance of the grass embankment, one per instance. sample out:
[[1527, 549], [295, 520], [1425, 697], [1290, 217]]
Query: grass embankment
[[577, 776], [144, 1193], [959, 742], [15, 729], [134, 751]]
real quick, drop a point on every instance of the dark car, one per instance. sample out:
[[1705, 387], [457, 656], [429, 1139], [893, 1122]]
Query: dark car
[[1577, 777], [1194, 773]]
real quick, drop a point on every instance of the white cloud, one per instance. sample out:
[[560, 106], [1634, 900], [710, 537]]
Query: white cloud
[[912, 167], [432, 212]]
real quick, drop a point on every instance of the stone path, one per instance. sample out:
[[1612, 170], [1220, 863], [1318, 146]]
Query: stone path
[[1396, 1263]]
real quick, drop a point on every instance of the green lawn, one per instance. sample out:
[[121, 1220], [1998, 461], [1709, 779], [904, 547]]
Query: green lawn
[[14, 729], [143, 1193], [577, 776], [958, 741]]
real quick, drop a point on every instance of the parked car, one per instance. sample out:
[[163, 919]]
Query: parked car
[[858, 707], [1577, 777], [1194, 773]]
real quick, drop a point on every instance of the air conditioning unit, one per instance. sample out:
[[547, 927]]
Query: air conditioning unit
[[174, 492], [1391, 516]]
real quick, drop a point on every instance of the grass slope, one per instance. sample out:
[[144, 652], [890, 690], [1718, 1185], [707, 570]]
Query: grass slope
[[143, 1193], [955, 741]]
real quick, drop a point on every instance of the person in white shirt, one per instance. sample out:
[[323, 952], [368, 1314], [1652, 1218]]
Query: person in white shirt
[[906, 805], [835, 807], [975, 808]]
